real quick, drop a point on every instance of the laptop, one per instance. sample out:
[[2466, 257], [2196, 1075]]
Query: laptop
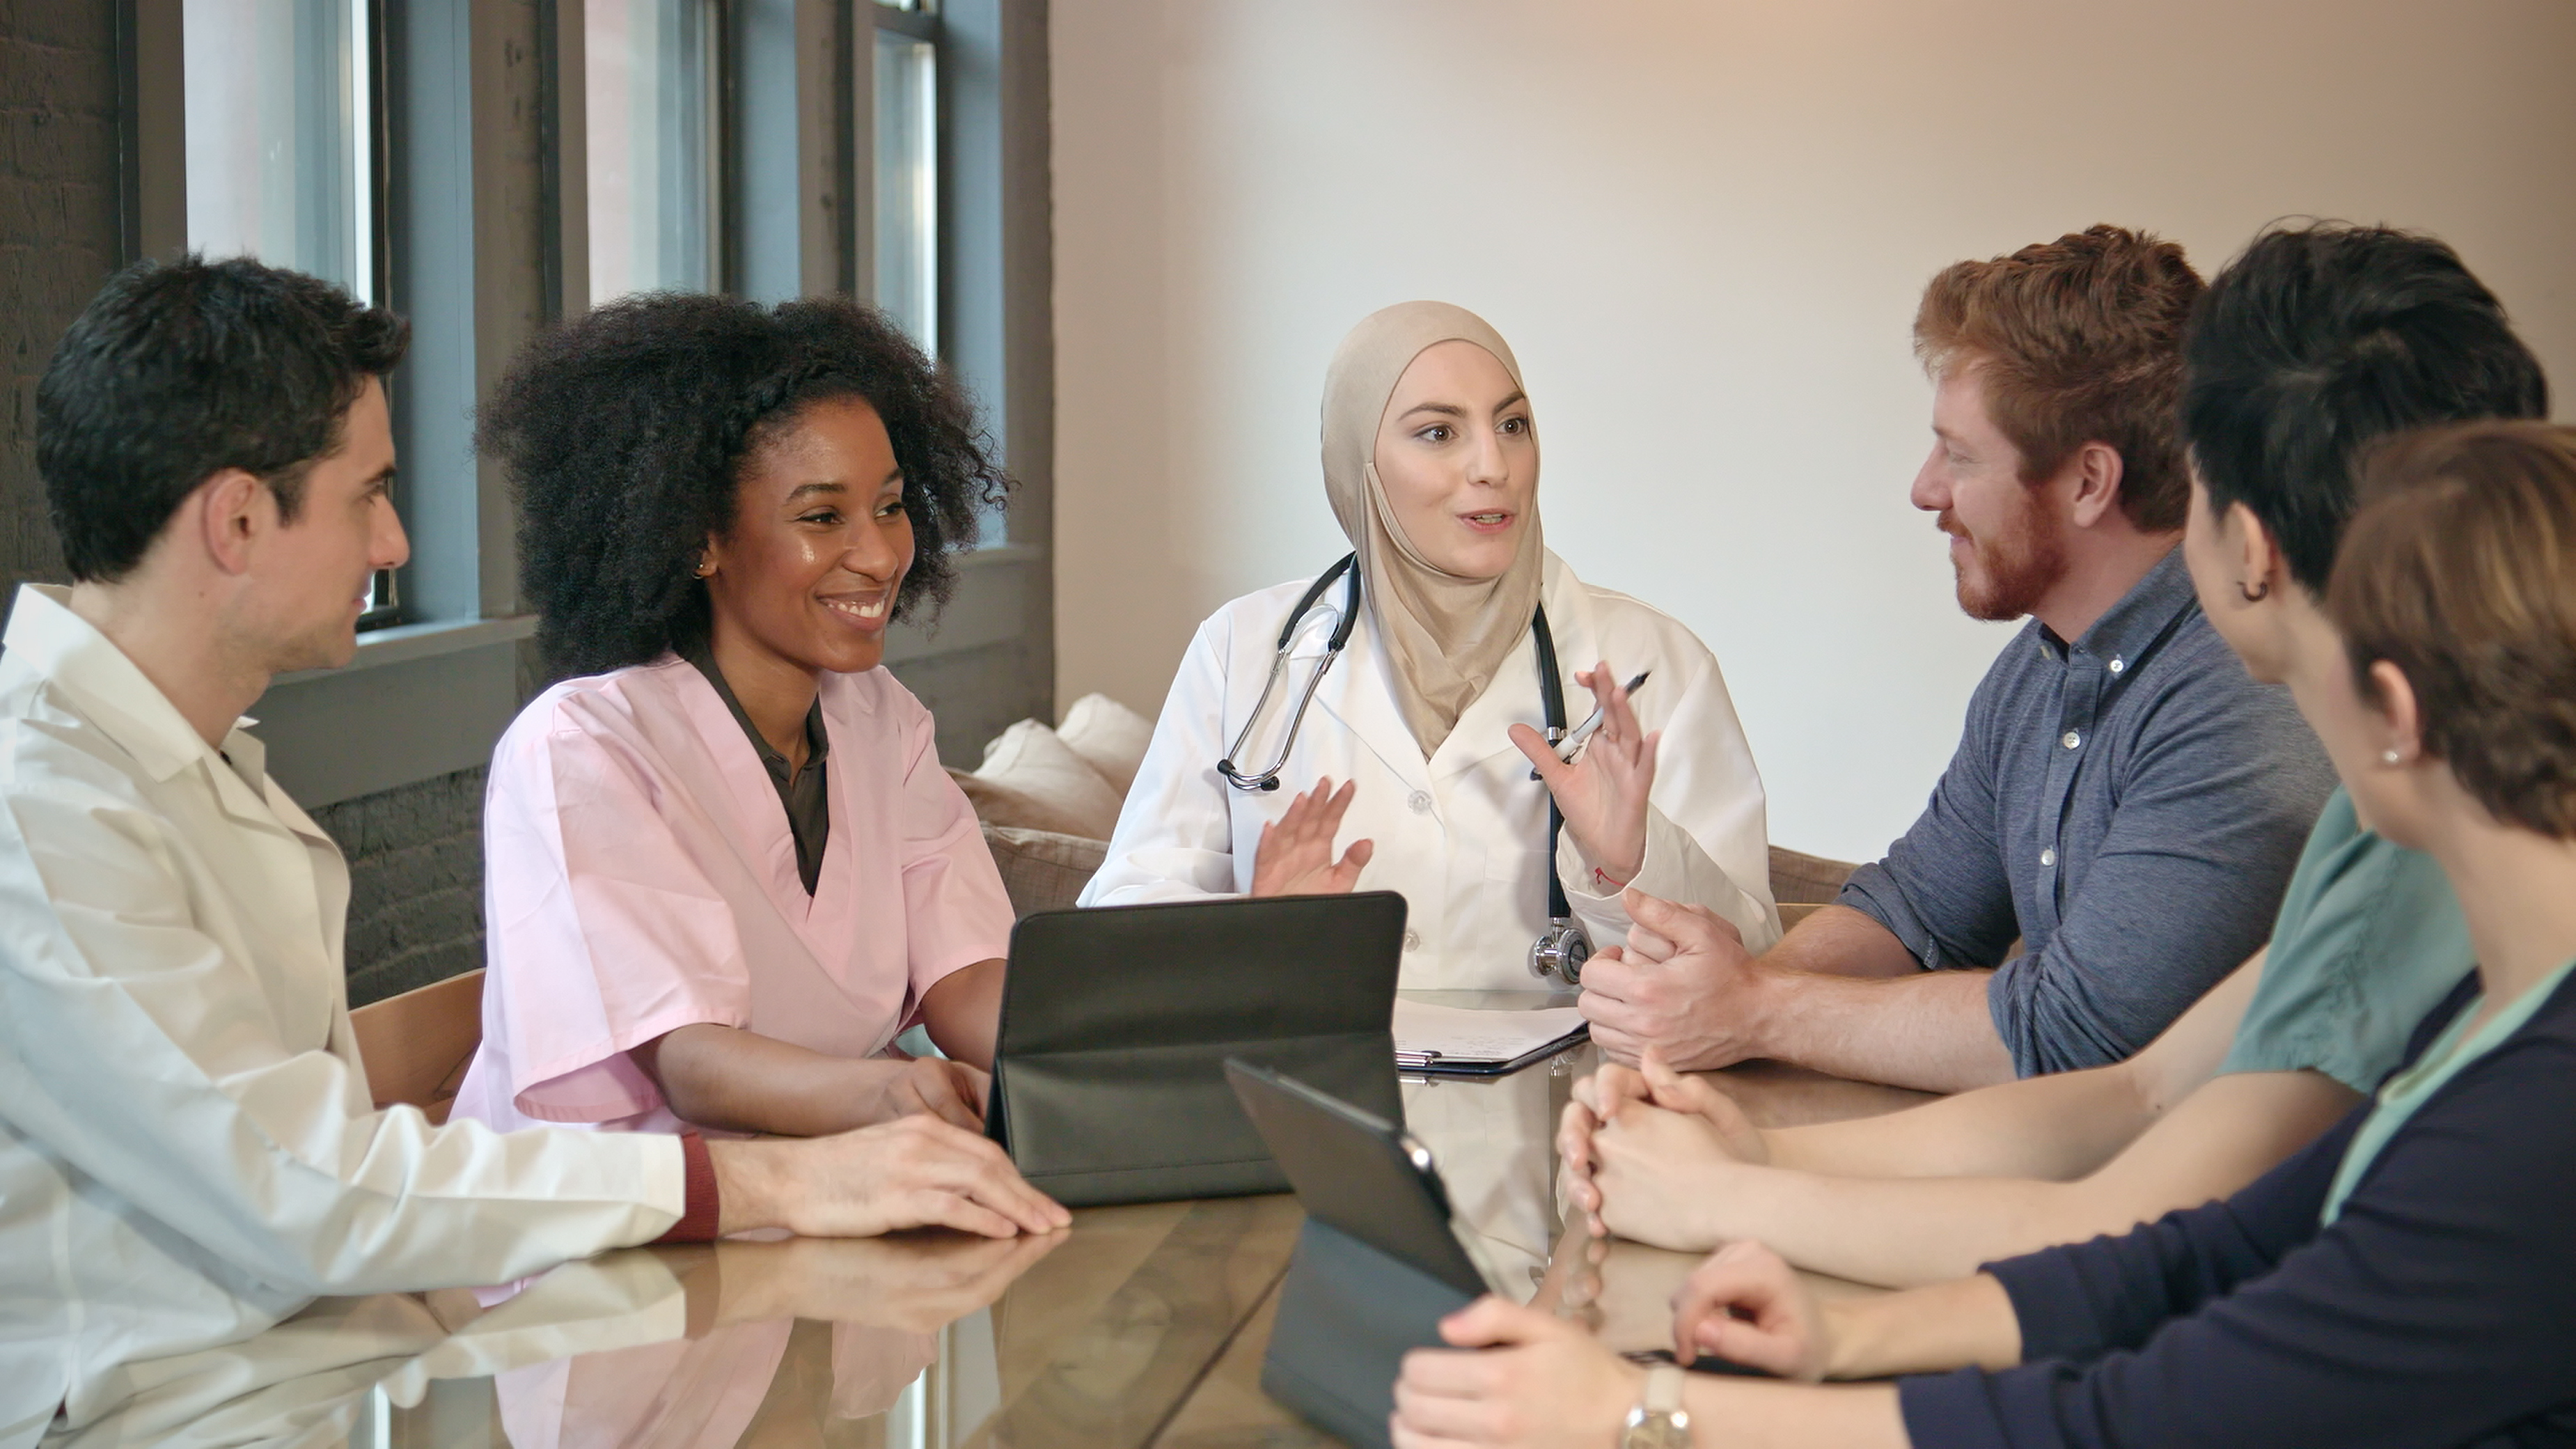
[[1109, 1079]]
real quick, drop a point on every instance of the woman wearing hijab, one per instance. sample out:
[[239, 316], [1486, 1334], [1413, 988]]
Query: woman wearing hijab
[[1415, 758]]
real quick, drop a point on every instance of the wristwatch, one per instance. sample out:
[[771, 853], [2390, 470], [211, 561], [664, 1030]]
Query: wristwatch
[[1659, 1421]]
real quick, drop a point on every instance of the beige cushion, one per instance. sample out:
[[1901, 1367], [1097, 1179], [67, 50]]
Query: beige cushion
[[1043, 871], [1031, 779], [1110, 737]]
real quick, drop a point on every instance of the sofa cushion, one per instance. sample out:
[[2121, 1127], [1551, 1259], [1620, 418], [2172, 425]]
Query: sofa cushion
[[1110, 737], [1042, 870], [1031, 779]]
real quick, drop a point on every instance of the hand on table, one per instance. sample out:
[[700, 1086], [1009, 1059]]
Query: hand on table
[[1746, 1305], [1639, 1148], [1534, 1380], [915, 1171], [951, 1091], [1602, 795], [1684, 984], [1295, 853]]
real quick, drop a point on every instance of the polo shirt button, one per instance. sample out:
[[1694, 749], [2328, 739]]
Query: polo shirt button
[[2071, 739], [1413, 940], [1419, 802], [2048, 857]]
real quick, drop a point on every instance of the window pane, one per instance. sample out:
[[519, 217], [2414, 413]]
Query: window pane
[[649, 79], [907, 132], [280, 135]]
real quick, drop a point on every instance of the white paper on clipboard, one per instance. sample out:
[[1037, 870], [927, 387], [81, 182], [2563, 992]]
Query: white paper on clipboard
[[1458, 1036]]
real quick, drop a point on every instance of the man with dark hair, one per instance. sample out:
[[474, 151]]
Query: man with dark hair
[[2308, 348], [2126, 804], [188, 1151]]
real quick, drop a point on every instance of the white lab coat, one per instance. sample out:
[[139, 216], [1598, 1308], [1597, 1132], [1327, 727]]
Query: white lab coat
[[1463, 834], [188, 1151]]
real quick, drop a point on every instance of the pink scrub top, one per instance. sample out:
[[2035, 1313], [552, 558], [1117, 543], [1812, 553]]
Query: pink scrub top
[[639, 876]]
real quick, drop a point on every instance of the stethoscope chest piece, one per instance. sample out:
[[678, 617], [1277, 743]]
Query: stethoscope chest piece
[[1560, 952]]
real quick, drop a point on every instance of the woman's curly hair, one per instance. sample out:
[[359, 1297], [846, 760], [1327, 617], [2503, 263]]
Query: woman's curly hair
[[623, 434]]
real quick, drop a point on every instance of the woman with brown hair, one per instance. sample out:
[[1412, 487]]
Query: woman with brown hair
[[2404, 1280]]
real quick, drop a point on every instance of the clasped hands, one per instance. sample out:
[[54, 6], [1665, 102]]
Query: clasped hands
[[1602, 794]]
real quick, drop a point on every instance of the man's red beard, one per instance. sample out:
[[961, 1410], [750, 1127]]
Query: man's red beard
[[2016, 564]]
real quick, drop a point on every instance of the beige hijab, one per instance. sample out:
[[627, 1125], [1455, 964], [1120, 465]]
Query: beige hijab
[[1444, 635]]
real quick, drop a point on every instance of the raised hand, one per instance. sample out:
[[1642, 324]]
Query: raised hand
[[1295, 853], [1603, 793]]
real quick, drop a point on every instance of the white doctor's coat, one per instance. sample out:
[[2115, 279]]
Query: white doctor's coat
[[1462, 835], [188, 1151]]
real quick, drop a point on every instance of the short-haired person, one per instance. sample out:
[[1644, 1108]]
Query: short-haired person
[[2404, 1280], [2125, 802], [724, 865], [188, 1152], [2314, 342]]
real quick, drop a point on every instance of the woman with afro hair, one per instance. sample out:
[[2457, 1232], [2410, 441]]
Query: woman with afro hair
[[724, 867]]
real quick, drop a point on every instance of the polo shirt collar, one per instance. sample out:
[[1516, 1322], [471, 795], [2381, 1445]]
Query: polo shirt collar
[[109, 689], [2129, 629]]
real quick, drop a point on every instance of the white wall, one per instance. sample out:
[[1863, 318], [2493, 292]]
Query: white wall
[[1703, 224]]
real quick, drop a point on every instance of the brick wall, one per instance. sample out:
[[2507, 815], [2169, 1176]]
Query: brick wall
[[59, 230], [415, 882], [415, 854]]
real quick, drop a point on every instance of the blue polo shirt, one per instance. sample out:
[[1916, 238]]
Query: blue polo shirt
[[2128, 806]]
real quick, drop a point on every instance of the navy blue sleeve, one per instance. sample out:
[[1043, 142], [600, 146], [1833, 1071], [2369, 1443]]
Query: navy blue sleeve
[[1942, 890], [2436, 1312]]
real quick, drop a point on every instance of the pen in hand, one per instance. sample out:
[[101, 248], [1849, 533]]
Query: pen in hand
[[1573, 742], [1575, 738]]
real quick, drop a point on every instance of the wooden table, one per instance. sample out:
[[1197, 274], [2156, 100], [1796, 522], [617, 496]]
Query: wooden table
[[1141, 1326]]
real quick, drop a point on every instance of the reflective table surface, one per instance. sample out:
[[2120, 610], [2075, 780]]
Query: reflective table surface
[[1140, 1325]]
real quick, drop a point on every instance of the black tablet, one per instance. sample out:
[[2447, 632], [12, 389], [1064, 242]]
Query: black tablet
[[1108, 1079], [1361, 1174]]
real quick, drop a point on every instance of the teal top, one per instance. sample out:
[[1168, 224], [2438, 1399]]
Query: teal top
[[2369, 940], [2454, 1049]]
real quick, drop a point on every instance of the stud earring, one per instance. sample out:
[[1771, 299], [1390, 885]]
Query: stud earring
[[706, 567], [2390, 757]]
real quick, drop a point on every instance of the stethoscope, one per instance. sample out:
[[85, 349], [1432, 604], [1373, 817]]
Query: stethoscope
[[1562, 948]]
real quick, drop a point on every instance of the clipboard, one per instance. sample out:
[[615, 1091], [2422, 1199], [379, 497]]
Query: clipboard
[[1452, 1041]]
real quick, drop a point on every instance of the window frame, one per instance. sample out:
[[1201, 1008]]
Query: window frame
[[475, 140]]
